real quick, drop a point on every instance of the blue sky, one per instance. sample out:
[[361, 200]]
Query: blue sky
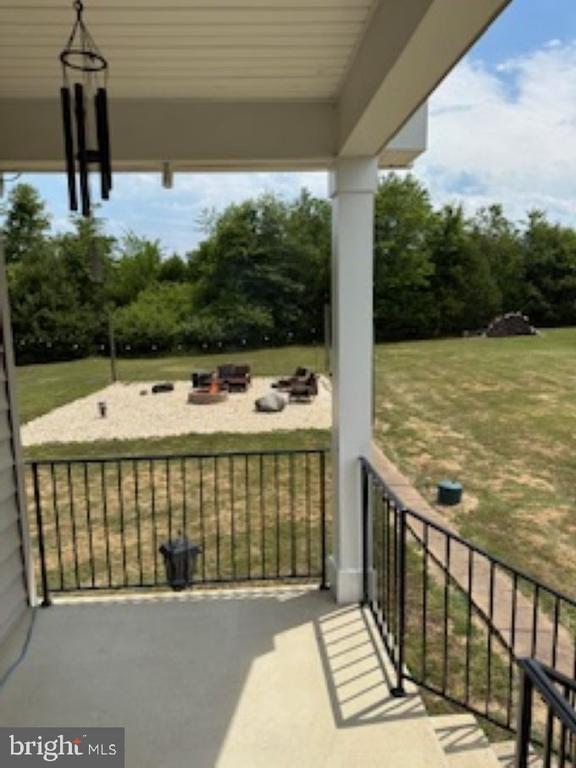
[[525, 25], [502, 128]]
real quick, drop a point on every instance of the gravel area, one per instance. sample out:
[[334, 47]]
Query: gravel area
[[132, 415]]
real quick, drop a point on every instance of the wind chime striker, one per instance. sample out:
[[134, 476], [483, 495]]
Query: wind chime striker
[[85, 76]]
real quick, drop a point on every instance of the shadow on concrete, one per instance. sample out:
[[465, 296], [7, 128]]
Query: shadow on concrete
[[460, 737], [358, 675]]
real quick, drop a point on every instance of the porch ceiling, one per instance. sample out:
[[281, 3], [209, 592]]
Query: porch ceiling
[[238, 83], [271, 49]]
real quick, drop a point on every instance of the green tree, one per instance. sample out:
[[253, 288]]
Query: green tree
[[136, 267], [550, 271], [173, 270], [262, 273], [86, 254], [309, 238], [49, 320], [156, 321], [464, 288], [248, 268], [500, 242], [26, 222], [404, 306]]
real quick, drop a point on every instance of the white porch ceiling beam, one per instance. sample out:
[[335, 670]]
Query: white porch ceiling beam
[[190, 134], [406, 51], [194, 135], [409, 143]]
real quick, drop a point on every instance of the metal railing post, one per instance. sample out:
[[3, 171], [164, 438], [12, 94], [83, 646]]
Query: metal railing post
[[365, 553], [400, 603], [524, 725], [324, 579], [46, 601]]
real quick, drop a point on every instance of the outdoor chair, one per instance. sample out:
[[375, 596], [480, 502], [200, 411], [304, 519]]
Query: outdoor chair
[[300, 376], [304, 390], [236, 378], [202, 379]]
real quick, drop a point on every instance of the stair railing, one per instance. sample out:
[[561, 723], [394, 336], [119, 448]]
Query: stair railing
[[556, 693], [454, 618]]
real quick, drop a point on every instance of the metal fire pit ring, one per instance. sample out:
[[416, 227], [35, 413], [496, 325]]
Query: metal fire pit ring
[[207, 398]]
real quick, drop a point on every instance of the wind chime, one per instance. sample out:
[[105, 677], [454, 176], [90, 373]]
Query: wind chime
[[85, 76]]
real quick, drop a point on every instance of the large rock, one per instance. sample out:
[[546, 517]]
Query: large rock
[[270, 403], [511, 324]]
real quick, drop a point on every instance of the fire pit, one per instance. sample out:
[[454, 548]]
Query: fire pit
[[214, 393], [205, 397]]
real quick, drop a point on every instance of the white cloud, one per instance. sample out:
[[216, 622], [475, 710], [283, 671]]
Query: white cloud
[[507, 134], [140, 203]]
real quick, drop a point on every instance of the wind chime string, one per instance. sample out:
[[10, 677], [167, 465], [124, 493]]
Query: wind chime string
[[85, 56]]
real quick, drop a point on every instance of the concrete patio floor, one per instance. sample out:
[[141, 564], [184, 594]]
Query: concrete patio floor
[[275, 677]]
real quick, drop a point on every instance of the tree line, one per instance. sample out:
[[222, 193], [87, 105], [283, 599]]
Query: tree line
[[261, 275]]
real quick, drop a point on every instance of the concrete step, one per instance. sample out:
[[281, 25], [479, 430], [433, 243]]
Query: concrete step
[[464, 742], [506, 753]]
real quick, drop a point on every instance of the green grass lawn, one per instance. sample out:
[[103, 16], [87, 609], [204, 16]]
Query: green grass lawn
[[256, 516], [497, 414], [500, 416], [185, 444]]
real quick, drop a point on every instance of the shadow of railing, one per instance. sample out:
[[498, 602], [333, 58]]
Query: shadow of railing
[[358, 675]]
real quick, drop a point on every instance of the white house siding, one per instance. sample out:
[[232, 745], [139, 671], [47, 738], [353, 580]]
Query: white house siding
[[15, 610]]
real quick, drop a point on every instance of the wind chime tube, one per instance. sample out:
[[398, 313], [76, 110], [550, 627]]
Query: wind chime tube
[[65, 102], [103, 136], [82, 153]]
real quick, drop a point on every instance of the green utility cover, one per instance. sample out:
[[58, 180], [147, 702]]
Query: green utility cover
[[449, 492]]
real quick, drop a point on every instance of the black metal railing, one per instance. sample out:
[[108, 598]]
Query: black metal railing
[[546, 689], [454, 618], [99, 523]]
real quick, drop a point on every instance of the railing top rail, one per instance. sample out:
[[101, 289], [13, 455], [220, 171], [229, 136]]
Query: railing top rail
[[557, 676], [541, 675], [366, 463], [166, 456], [460, 540]]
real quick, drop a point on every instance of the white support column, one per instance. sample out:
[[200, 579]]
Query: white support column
[[353, 183]]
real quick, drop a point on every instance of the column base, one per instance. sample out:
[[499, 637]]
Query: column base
[[346, 583]]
